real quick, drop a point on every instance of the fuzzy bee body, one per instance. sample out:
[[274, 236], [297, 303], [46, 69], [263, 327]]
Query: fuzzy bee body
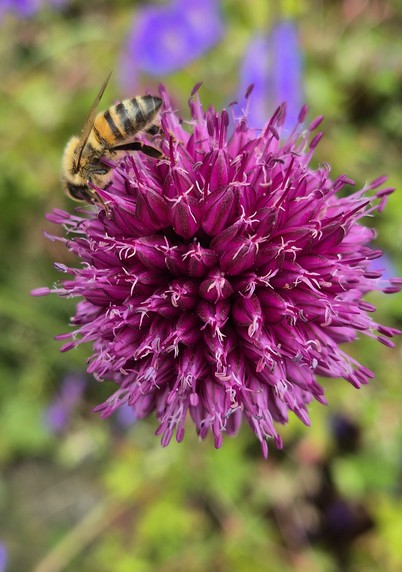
[[104, 134]]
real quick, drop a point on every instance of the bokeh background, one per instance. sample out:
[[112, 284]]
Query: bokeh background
[[82, 494]]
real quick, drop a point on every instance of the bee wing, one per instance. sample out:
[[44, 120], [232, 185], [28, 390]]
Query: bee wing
[[89, 122]]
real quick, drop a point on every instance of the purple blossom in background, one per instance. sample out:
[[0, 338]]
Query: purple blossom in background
[[385, 266], [345, 433], [287, 70], [24, 8], [167, 38], [57, 415], [3, 557], [27, 8], [273, 64], [125, 416], [226, 277]]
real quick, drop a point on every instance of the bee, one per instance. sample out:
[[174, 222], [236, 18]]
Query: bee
[[105, 134]]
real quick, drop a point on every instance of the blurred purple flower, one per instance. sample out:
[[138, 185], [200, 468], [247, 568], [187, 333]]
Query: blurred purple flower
[[27, 8], [226, 277], [24, 8], [58, 413], [167, 38], [273, 65], [342, 521], [125, 416], [3, 557], [345, 432], [384, 265]]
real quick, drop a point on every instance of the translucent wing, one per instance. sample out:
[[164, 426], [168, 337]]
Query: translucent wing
[[89, 122]]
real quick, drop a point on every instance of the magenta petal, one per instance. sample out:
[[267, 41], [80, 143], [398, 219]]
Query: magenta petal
[[150, 251], [184, 217], [152, 208], [273, 305], [200, 260], [215, 288], [247, 312], [217, 211], [219, 173]]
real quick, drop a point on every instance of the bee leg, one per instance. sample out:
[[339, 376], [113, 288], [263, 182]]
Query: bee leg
[[139, 146], [97, 199]]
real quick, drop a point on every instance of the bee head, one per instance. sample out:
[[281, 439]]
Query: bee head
[[84, 193]]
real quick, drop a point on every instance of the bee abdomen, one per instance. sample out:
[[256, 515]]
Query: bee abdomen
[[113, 121], [123, 120], [142, 110]]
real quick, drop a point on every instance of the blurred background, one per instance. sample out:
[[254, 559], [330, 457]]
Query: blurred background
[[82, 494]]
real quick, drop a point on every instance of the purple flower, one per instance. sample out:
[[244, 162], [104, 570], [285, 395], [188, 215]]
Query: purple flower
[[24, 8], [27, 8], [345, 432], [125, 416], [167, 38], [273, 65], [3, 557], [225, 277], [384, 265], [58, 413]]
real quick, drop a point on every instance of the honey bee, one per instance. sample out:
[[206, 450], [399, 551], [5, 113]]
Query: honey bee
[[104, 134]]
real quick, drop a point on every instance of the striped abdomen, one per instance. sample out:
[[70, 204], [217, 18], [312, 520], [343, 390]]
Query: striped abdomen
[[122, 121]]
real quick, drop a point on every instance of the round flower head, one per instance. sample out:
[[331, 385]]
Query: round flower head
[[224, 277]]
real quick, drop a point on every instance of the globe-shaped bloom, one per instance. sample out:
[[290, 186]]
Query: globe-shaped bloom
[[225, 276]]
